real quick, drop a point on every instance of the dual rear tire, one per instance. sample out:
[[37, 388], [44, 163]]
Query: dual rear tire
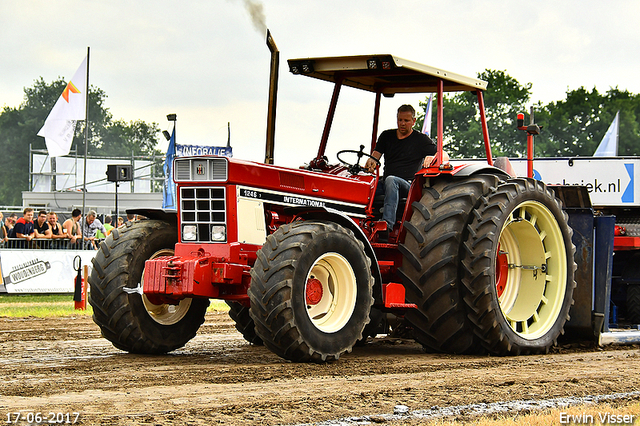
[[490, 265]]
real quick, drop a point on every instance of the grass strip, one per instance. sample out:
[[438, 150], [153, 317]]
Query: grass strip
[[56, 305]]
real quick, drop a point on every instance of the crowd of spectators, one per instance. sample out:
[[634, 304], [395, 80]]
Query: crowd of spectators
[[44, 231]]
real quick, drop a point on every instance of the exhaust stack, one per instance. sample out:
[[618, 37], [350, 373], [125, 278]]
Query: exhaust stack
[[273, 98]]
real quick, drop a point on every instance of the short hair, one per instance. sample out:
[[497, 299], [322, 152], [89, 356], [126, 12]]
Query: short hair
[[131, 216], [407, 108], [44, 212], [52, 214], [27, 210], [76, 212], [107, 219], [92, 213]]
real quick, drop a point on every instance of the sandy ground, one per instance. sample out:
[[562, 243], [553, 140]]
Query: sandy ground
[[63, 365]]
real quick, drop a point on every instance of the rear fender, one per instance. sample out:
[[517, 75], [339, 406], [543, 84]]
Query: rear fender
[[475, 169]]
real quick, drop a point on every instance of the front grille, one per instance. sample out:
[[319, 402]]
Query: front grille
[[204, 208], [201, 169]]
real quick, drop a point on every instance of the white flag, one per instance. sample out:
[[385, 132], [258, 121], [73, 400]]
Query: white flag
[[60, 125], [426, 124], [609, 145]]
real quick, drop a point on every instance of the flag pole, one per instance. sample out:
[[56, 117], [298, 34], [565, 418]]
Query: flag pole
[[86, 139]]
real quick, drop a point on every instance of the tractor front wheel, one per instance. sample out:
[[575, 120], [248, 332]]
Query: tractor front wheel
[[126, 317], [311, 291]]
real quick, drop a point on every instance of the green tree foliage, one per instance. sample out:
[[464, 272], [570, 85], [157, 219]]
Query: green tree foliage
[[570, 127], [576, 125], [19, 127]]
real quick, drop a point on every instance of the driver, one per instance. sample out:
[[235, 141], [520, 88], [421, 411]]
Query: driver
[[405, 152]]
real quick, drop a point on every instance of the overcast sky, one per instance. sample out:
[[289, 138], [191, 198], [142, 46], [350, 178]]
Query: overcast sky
[[207, 61]]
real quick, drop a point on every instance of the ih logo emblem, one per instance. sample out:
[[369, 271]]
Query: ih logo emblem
[[200, 170]]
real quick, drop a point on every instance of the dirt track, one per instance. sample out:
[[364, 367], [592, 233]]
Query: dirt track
[[63, 365]]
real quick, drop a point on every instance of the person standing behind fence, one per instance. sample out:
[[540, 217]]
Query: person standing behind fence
[[41, 226], [24, 228], [57, 232], [107, 224], [90, 226], [72, 227], [120, 222], [10, 221], [4, 234]]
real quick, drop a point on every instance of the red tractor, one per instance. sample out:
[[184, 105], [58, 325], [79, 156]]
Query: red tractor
[[478, 261]]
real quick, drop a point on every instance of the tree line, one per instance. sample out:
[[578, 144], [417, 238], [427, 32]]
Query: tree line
[[107, 136], [570, 127]]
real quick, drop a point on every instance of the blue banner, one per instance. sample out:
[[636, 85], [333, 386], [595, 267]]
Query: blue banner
[[189, 150], [176, 150], [169, 188]]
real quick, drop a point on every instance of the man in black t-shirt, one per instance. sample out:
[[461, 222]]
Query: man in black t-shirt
[[41, 226], [405, 152]]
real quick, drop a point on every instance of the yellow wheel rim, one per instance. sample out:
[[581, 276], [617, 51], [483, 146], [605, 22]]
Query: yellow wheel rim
[[536, 282], [335, 292]]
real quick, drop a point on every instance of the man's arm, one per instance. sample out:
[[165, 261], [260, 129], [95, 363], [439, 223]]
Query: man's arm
[[68, 229], [370, 165], [431, 158], [102, 228], [27, 237], [47, 233]]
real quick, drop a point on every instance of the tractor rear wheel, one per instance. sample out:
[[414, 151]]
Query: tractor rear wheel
[[126, 317], [431, 262], [311, 291], [519, 274]]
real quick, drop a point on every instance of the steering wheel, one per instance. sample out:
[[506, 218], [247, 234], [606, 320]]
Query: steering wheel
[[356, 168]]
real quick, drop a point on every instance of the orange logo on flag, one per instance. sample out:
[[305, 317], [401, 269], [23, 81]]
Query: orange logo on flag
[[70, 88]]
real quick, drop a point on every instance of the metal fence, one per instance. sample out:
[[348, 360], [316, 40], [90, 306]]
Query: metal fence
[[49, 244]]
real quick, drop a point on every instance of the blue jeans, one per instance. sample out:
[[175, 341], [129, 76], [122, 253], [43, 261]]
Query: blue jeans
[[393, 188]]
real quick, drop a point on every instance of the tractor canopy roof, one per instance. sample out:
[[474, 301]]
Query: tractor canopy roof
[[386, 74]]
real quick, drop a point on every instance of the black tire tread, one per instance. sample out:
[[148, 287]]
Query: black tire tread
[[271, 289], [431, 262], [120, 315], [633, 304], [243, 321], [484, 232]]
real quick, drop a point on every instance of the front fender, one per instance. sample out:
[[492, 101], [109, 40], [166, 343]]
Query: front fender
[[169, 216]]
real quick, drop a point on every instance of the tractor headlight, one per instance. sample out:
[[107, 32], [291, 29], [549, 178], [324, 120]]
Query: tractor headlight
[[218, 233], [189, 233]]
